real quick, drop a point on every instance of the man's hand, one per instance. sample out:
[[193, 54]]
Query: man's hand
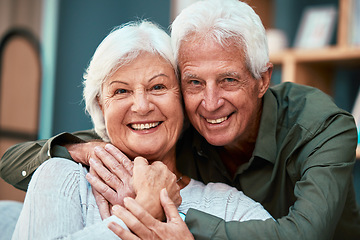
[[110, 177], [82, 152], [148, 180], [144, 226]]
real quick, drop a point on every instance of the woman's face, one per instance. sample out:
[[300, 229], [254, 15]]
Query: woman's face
[[141, 103]]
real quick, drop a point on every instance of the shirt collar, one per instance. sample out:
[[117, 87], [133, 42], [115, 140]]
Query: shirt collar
[[265, 146]]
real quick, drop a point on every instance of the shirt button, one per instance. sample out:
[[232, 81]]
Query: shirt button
[[23, 173]]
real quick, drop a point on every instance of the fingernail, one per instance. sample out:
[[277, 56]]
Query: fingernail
[[108, 146], [93, 161], [97, 148], [116, 208], [126, 200], [165, 192]]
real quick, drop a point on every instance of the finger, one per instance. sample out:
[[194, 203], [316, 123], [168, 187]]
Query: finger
[[120, 157], [121, 232], [112, 163], [173, 191], [140, 164], [102, 203], [170, 209], [102, 188], [140, 213], [108, 177], [140, 161], [134, 224]]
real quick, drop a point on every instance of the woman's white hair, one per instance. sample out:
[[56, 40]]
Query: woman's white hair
[[224, 21], [123, 45]]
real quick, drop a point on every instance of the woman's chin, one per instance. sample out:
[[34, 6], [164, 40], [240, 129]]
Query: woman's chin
[[149, 154]]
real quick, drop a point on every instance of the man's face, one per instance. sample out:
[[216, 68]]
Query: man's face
[[222, 99]]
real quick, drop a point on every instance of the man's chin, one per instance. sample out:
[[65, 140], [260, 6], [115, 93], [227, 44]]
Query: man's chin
[[218, 140]]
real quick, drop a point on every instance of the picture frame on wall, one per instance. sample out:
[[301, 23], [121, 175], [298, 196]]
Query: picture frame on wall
[[316, 27]]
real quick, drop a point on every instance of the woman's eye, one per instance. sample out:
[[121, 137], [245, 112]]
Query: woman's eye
[[158, 87], [121, 91]]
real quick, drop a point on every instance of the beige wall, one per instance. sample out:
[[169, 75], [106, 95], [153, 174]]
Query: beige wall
[[21, 13], [19, 110]]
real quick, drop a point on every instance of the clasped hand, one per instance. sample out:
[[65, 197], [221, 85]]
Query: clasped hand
[[113, 177]]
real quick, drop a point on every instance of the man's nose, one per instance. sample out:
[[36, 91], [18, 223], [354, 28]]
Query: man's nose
[[212, 98], [141, 104]]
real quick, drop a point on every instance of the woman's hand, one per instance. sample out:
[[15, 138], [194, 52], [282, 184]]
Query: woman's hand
[[144, 226], [110, 177]]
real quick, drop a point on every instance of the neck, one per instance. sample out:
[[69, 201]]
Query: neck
[[234, 154], [233, 159]]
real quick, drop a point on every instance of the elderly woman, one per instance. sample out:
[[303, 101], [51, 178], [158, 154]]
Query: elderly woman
[[132, 94]]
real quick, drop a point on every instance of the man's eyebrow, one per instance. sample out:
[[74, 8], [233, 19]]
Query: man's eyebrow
[[229, 74], [188, 75]]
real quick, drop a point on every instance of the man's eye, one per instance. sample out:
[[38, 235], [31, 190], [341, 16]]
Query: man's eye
[[121, 91], [229, 80], [194, 82]]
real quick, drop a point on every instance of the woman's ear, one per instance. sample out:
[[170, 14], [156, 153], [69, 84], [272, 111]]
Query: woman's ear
[[99, 103], [265, 79]]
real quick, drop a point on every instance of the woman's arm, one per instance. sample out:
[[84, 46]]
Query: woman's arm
[[59, 205]]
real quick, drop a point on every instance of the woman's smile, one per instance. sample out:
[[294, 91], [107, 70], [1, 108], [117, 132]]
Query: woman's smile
[[144, 126], [142, 107]]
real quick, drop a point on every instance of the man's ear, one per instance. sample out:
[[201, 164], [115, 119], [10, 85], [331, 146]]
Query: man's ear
[[265, 79]]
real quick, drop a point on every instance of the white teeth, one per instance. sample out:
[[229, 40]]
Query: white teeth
[[143, 126], [216, 121]]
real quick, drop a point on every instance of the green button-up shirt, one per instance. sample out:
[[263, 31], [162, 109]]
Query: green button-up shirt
[[300, 169]]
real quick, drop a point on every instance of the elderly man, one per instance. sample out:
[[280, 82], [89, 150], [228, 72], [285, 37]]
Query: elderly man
[[288, 147]]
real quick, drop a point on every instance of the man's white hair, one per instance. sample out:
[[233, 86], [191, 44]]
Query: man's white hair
[[123, 45], [225, 22]]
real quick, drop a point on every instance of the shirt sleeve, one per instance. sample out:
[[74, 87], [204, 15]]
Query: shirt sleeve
[[21, 160], [320, 191]]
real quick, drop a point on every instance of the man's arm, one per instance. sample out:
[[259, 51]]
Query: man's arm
[[321, 194], [21, 160]]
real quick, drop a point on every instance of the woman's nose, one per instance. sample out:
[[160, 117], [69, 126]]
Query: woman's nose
[[141, 104]]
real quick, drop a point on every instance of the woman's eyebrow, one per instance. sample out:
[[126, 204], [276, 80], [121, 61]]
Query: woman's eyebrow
[[158, 75], [118, 81]]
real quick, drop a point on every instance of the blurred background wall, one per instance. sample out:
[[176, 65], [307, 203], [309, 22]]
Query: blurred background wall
[[68, 32]]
